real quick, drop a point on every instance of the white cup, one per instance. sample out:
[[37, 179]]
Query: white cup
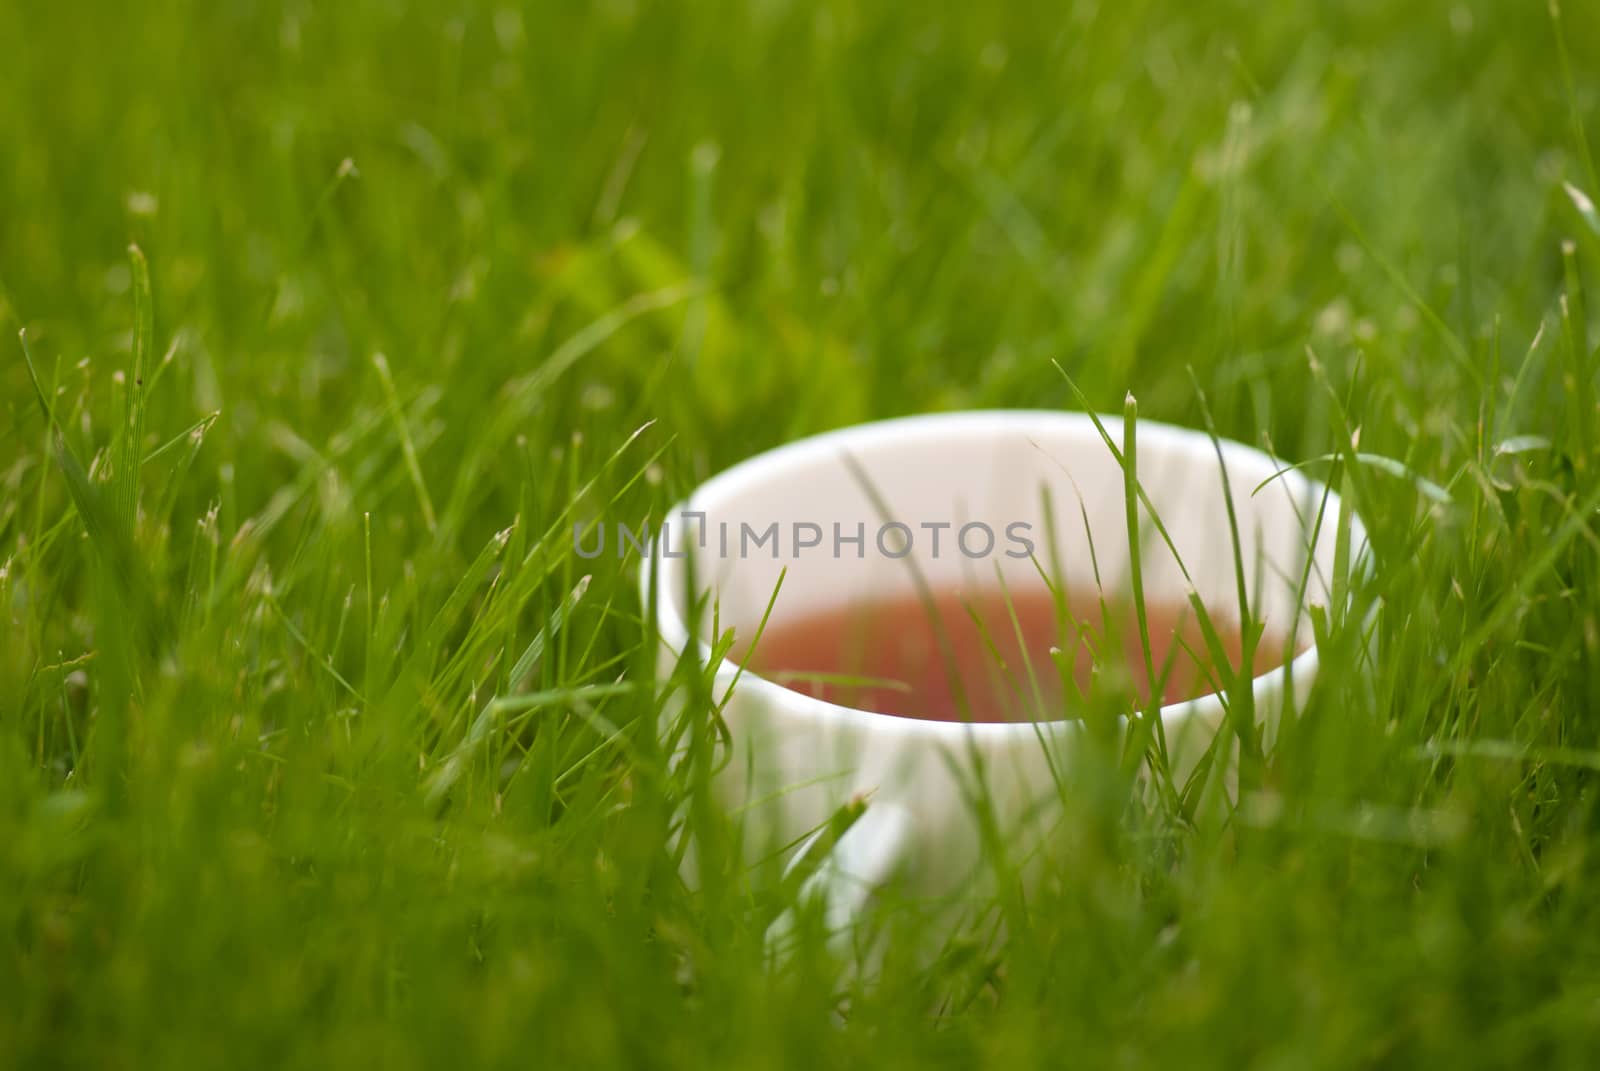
[[798, 759]]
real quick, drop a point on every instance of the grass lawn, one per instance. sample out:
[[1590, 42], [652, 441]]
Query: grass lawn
[[319, 743]]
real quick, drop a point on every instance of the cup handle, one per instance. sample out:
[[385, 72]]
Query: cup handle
[[866, 857]]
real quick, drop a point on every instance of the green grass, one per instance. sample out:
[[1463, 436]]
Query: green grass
[[317, 742]]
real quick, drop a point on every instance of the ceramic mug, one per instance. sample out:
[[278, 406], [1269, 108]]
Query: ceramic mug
[[798, 759]]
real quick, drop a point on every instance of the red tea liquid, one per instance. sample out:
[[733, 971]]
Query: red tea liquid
[[967, 656]]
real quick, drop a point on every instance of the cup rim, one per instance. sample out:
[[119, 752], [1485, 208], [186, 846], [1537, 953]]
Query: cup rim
[[673, 632]]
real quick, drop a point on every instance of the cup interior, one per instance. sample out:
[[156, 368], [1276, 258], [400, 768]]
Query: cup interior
[[960, 500]]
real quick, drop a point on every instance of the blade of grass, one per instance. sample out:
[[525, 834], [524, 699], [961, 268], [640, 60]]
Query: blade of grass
[[1147, 724], [408, 448], [130, 442], [1241, 706]]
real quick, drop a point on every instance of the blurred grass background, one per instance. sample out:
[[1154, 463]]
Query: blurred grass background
[[251, 810]]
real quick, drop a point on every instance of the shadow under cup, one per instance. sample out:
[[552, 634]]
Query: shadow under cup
[[972, 502]]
